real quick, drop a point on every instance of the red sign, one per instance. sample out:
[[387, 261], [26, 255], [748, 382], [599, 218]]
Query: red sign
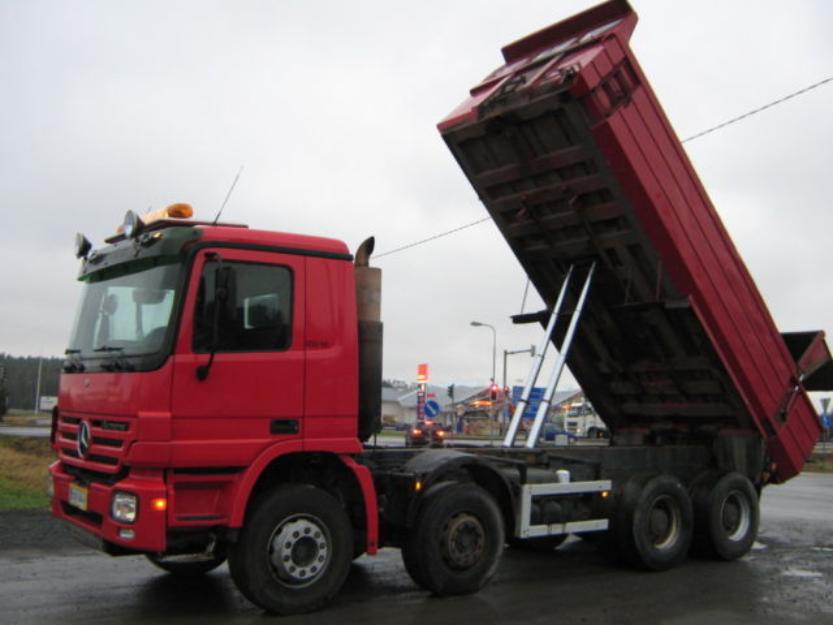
[[422, 372]]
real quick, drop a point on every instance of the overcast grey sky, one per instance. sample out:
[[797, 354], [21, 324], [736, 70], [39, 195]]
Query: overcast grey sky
[[331, 106]]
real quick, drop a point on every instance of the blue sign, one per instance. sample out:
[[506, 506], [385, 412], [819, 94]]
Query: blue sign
[[535, 398], [432, 409], [827, 420]]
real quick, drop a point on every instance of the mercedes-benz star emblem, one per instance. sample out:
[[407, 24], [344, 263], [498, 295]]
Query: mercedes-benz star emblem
[[83, 442]]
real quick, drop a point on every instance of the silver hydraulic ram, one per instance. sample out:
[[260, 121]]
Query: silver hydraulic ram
[[546, 401], [512, 431]]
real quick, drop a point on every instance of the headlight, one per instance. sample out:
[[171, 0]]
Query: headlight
[[124, 507]]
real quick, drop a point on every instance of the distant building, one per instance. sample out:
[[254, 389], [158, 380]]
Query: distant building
[[400, 405], [473, 410]]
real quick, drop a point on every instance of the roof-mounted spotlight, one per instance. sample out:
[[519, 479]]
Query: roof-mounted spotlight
[[82, 246], [132, 225]]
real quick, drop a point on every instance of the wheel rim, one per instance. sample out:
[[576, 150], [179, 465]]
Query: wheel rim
[[463, 541], [299, 550], [664, 522], [736, 516]]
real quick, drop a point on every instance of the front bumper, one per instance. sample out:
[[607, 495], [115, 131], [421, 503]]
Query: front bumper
[[148, 530]]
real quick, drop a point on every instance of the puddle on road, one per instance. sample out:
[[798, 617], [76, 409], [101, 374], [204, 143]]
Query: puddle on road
[[802, 573]]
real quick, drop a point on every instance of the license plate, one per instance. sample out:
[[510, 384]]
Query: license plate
[[78, 496]]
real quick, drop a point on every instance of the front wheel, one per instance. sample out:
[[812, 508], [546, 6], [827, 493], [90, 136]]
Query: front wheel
[[294, 554], [457, 541]]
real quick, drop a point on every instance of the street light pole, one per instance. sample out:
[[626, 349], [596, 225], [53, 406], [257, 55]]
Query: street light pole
[[506, 353], [478, 324], [37, 386], [512, 352]]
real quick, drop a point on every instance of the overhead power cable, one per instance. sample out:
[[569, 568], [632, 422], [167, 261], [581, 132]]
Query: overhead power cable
[[766, 106], [433, 237], [703, 133]]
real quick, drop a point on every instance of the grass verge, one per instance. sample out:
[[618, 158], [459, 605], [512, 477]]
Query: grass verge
[[23, 464], [23, 418], [819, 463]]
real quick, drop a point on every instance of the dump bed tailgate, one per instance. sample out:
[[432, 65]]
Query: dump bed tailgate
[[573, 157]]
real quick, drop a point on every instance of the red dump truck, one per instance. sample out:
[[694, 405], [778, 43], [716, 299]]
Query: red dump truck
[[221, 383]]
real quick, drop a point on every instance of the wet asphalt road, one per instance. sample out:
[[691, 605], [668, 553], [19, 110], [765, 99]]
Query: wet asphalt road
[[788, 578]]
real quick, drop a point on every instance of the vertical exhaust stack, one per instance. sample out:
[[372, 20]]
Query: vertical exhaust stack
[[369, 312]]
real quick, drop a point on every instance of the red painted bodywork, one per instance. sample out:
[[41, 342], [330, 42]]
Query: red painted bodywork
[[168, 421], [590, 56]]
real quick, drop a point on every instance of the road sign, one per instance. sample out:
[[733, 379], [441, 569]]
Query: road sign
[[47, 403], [432, 409], [535, 398], [827, 421]]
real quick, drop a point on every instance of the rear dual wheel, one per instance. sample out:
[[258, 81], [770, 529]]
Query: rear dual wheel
[[726, 516], [654, 522]]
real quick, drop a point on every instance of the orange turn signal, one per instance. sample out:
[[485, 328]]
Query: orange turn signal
[[160, 504]]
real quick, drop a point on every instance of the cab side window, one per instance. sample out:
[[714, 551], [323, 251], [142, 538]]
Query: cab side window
[[254, 315]]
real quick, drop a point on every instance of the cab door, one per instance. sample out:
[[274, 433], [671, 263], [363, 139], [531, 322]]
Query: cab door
[[247, 307]]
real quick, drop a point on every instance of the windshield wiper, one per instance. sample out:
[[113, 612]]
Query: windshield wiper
[[119, 360]]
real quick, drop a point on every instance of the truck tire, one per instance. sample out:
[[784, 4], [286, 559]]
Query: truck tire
[[457, 541], [410, 550], [409, 559], [654, 522], [294, 553], [726, 517], [188, 566]]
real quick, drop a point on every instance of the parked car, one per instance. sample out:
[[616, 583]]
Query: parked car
[[426, 433], [551, 432]]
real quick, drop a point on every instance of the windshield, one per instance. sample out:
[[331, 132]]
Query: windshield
[[127, 314]]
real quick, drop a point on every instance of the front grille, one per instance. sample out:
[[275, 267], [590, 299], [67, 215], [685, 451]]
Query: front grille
[[103, 459], [88, 476], [109, 438], [118, 426], [107, 442]]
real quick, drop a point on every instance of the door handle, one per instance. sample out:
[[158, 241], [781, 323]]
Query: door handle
[[284, 426]]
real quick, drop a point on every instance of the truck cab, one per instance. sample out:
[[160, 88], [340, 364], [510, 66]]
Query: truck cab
[[200, 353]]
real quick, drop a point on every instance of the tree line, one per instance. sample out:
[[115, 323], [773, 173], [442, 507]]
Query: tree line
[[20, 379]]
